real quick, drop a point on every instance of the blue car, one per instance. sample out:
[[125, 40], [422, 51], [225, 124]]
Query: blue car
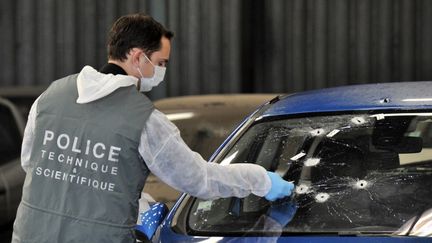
[[360, 157]]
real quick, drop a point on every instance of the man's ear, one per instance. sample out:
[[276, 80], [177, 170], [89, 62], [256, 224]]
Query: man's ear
[[134, 56]]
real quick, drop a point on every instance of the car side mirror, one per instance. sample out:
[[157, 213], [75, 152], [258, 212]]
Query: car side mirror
[[151, 219]]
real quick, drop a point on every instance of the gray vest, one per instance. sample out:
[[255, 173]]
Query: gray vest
[[86, 173]]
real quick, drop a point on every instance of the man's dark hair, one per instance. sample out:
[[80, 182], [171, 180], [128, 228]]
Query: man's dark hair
[[135, 30]]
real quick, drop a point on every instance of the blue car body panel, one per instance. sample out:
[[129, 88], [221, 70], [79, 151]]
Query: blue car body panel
[[167, 235], [385, 96], [406, 95]]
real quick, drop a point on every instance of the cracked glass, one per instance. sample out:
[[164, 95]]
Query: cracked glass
[[354, 174]]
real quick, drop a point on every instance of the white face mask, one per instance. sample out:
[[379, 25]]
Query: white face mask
[[146, 84]]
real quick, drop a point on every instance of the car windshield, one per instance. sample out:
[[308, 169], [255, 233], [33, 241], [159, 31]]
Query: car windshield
[[354, 174]]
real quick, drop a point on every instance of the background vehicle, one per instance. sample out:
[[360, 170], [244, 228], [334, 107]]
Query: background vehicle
[[11, 173], [360, 157], [204, 121]]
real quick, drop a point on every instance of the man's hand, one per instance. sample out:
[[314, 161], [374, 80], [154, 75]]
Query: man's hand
[[283, 213], [279, 187]]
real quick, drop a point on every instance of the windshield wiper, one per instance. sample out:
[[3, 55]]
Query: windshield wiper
[[359, 233]]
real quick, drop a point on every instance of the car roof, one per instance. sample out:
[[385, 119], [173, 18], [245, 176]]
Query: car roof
[[382, 96]]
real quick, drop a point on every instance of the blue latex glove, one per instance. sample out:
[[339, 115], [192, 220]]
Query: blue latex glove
[[279, 187], [283, 213], [152, 219]]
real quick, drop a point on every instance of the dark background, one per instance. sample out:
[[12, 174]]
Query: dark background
[[227, 46]]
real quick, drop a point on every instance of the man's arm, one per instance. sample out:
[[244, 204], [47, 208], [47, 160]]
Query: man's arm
[[28, 138], [170, 159]]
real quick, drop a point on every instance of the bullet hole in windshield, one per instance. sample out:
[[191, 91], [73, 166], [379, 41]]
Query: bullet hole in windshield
[[322, 197], [361, 184], [302, 189], [317, 132], [358, 120], [312, 162]]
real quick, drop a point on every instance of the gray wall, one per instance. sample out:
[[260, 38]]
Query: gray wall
[[227, 46]]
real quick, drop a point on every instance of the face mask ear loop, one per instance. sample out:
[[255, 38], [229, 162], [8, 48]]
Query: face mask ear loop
[[138, 83], [154, 67], [139, 70], [149, 60]]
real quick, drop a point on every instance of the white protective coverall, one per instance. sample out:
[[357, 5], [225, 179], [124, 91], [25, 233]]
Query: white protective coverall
[[164, 151]]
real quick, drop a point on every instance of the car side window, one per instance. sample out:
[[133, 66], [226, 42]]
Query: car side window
[[353, 173], [10, 138]]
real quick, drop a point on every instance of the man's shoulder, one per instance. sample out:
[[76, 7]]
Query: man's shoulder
[[60, 87], [69, 78], [62, 82]]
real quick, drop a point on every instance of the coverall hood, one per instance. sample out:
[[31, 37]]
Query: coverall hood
[[93, 85]]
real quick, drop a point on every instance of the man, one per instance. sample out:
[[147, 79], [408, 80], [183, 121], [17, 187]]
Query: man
[[92, 138]]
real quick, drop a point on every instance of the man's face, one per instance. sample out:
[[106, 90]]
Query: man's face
[[158, 58]]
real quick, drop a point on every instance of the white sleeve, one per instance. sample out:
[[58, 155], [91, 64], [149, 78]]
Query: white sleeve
[[28, 138], [169, 158]]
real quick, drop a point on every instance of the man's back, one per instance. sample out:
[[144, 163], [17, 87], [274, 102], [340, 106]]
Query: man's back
[[86, 173]]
